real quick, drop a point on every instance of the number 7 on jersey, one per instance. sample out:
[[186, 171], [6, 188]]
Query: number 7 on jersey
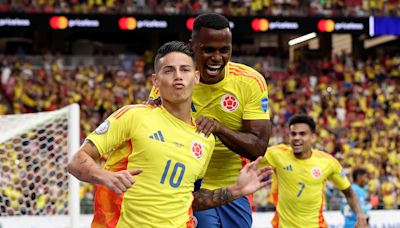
[[301, 189]]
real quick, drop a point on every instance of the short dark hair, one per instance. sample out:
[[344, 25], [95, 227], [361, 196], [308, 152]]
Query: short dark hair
[[358, 172], [302, 118], [209, 20], [173, 46]]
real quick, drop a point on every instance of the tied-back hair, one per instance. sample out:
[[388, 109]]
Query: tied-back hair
[[173, 46], [209, 20], [302, 118]]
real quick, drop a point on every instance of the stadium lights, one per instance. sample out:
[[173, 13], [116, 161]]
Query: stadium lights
[[302, 38]]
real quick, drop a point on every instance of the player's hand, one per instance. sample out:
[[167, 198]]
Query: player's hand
[[207, 126], [252, 178], [119, 182], [361, 222], [154, 102]]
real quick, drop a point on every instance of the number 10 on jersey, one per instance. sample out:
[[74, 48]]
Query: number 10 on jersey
[[178, 168]]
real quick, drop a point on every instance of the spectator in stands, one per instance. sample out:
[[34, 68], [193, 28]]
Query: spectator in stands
[[360, 181]]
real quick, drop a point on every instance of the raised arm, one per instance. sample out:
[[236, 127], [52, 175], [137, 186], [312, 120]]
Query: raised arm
[[355, 206], [84, 167], [249, 181], [250, 142]]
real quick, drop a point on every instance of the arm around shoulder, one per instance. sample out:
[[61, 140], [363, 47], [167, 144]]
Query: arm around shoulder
[[251, 142]]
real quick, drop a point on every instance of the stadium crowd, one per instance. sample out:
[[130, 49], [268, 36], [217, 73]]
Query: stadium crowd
[[356, 8], [356, 104]]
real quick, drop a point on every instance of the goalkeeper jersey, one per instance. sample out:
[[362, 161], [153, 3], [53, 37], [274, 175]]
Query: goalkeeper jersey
[[172, 155]]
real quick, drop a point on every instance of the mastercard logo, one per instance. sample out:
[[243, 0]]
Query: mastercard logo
[[260, 24], [127, 23], [189, 23], [327, 25], [58, 22]]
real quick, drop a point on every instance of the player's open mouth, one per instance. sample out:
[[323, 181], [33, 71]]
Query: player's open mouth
[[213, 70], [297, 145]]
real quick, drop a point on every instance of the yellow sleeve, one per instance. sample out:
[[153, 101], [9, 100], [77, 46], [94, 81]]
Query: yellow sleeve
[[338, 176], [154, 93], [257, 105], [114, 131]]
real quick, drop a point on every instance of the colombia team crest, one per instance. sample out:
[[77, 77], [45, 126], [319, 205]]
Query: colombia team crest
[[197, 149], [229, 103], [316, 173]]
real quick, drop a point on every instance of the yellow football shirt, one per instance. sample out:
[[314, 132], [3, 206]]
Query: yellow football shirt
[[241, 95], [299, 194], [172, 155]]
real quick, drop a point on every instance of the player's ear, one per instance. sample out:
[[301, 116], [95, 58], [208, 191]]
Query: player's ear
[[154, 79], [196, 77], [313, 138]]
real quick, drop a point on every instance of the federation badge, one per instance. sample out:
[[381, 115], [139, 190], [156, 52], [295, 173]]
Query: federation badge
[[264, 104], [229, 102], [196, 149], [103, 128], [316, 173]]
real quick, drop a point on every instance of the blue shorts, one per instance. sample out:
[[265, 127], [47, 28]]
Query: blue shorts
[[235, 214]]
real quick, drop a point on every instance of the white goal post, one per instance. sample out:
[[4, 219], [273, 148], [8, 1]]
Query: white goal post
[[34, 152]]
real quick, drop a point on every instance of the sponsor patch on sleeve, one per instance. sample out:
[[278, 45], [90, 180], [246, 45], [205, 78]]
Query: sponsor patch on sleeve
[[264, 104], [102, 128], [343, 173]]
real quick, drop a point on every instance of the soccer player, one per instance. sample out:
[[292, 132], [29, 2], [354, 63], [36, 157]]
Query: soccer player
[[300, 174], [162, 145], [360, 180], [231, 101]]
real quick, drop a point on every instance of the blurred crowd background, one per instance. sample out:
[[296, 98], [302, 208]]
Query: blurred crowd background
[[354, 100]]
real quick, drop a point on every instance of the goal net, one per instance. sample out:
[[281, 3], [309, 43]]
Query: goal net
[[34, 152]]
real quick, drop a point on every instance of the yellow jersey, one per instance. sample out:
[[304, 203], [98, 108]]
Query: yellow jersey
[[241, 95], [299, 185], [173, 157]]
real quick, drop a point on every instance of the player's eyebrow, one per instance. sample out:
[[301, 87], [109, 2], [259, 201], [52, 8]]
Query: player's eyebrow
[[185, 65], [173, 66], [297, 132]]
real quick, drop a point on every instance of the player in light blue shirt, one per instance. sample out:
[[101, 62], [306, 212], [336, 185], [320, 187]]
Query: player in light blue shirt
[[360, 181]]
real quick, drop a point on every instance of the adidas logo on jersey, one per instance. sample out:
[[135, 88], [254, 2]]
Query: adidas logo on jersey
[[288, 168], [157, 136]]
